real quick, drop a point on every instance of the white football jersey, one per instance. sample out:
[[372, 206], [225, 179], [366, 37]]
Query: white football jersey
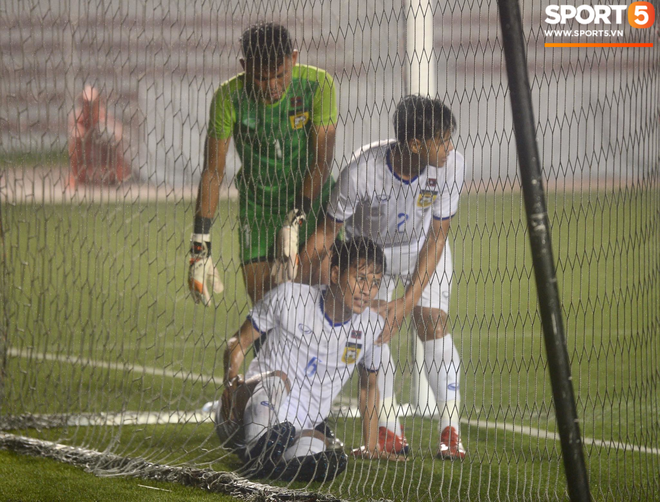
[[374, 202], [318, 356]]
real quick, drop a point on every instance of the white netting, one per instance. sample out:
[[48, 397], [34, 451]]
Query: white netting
[[103, 349]]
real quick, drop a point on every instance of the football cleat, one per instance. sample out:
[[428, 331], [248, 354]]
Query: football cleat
[[323, 466], [260, 459], [451, 447], [331, 441], [390, 442]]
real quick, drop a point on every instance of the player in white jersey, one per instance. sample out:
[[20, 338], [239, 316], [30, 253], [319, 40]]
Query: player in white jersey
[[317, 336], [402, 193]]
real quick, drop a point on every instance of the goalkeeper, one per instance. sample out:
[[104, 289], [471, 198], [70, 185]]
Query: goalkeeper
[[282, 117], [313, 347]]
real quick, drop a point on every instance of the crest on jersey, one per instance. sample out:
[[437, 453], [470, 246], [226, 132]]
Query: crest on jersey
[[355, 335], [426, 197], [351, 352], [431, 182], [298, 120], [296, 102]]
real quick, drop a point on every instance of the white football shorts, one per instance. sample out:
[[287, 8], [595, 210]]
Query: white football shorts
[[401, 262]]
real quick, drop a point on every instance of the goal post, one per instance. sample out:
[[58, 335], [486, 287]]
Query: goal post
[[421, 75], [542, 253]]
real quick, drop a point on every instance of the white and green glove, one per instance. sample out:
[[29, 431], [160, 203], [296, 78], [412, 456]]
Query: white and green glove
[[285, 267], [202, 274]]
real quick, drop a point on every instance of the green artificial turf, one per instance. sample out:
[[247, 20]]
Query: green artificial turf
[[100, 321]]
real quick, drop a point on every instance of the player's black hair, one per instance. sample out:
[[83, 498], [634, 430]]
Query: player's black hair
[[266, 44], [422, 118], [353, 251]]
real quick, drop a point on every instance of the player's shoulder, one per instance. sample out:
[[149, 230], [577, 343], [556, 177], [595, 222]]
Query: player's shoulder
[[456, 158], [372, 155], [231, 87], [453, 167], [289, 291], [456, 166], [311, 73]]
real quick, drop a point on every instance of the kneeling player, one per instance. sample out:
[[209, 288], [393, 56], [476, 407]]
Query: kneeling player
[[317, 337]]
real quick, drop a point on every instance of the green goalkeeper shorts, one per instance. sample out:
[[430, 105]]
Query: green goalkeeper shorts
[[260, 224]]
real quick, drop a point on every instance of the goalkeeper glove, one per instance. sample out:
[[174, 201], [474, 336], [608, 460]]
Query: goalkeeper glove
[[286, 262], [202, 272]]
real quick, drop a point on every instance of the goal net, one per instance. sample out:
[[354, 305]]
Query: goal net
[[107, 362]]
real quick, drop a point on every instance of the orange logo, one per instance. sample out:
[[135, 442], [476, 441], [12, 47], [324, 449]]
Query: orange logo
[[641, 14]]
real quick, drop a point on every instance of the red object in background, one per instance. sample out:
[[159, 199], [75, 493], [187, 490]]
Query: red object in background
[[96, 154]]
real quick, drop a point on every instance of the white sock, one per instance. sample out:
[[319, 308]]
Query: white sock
[[389, 409], [303, 447], [261, 409], [442, 362]]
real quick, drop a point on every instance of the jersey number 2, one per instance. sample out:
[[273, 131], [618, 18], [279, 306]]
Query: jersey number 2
[[403, 217]]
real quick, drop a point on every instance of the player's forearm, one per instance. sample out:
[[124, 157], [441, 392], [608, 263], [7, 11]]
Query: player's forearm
[[316, 249], [233, 359], [215, 152], [323, 143], [316, 178], [237, 347], [369, 409], [427, 262], [425, 268], [208, 194]]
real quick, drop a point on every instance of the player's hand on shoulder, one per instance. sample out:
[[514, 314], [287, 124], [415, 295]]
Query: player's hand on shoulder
[[393, 314], [287, 260], [203, 276], [377, 454]]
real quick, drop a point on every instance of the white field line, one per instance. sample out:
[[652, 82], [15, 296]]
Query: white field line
[[134, 368], [179, 417], [49, 186], [126, 418]]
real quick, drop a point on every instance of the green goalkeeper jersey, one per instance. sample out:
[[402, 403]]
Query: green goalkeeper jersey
[[272, 139]]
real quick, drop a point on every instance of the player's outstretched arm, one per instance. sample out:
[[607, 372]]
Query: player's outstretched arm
[[237, 347], [322, 142], [287, 260], [369, 408], [203, 277], [316, 249], [429, 256], [215, 157], [369, 404], [321, 138]]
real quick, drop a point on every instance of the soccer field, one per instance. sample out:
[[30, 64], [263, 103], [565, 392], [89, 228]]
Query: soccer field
[[105, 346]]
